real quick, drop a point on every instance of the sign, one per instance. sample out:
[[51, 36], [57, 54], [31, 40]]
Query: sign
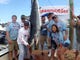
[[63, 12], [57, 10]]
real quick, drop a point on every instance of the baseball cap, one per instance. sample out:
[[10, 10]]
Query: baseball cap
[[26, 23], [23, 17]]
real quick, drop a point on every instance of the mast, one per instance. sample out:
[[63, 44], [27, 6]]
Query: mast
[[71, 29]]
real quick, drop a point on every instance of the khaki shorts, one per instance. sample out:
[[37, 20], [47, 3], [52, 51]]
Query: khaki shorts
[[13, 46], [42, 39], [48, 42]]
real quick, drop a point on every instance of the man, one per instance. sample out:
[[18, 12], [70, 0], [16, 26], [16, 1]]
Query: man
[[49, 25], [23, 19], [77, 27], [43, 32], [12, 34], [78, 34], [23, 41], [62, 27]]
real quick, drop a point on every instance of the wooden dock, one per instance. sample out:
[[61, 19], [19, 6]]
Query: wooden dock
[[39, 56]]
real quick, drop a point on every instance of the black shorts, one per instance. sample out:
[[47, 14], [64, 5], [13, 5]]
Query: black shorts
[[53, 44]]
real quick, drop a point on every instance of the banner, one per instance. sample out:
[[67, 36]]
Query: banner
[[57, 10], [63, 12]]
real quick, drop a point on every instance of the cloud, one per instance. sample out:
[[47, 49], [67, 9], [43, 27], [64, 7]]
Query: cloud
[[4, 1]]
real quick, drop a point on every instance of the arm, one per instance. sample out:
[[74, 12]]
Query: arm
[[73, 23], [65, 31], [8, 37], [7, 34], [23, 41], [22, 38]]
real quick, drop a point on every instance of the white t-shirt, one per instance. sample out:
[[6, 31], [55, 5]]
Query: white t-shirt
[[23, 36]]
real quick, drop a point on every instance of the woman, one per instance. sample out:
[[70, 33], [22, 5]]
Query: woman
[[56, 39]]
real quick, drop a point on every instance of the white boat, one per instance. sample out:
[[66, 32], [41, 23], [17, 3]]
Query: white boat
[[4, 52], [3, 47]]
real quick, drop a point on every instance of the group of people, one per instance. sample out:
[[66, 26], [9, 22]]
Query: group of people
[[53, 31], [17, 36]]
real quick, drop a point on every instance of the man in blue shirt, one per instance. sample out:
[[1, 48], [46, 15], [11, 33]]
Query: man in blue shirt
[[43, 32], [12, 34], [49, 25], [62, 27]]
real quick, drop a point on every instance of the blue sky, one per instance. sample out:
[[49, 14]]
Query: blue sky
[[19, 7]]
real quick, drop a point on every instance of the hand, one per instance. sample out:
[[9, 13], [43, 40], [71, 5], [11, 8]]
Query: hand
[[9, 41], [28, 36], [72, 23], [65, 37], [60, 51], [28, 46]]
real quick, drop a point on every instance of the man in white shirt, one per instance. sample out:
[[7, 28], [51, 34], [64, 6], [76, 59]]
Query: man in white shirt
[[23, 19], [22, 41]]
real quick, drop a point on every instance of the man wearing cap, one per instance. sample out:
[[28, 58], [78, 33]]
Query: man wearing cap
[[23, 19], [49, 25], [43, 32], [23, 41]]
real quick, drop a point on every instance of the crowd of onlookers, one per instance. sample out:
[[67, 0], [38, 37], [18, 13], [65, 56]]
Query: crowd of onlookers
[[54, 32]]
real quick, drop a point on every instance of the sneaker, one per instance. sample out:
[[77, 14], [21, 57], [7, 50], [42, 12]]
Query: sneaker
[[49, 54], [42, 53]]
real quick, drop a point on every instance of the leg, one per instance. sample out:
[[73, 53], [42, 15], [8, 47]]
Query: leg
[[79, 46], [52, 54], [21, 52], [42, 39], [10, 55], [15, 50], [11, 51], [27, 52], [49, 47]]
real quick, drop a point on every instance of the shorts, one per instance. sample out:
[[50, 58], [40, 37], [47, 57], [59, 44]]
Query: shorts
[[66, 45], [13, 46], [53, 45], [78, 46], [43, 39]]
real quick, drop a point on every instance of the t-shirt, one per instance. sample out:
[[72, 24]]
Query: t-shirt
[[62, 27], [23, 36], [49, 25], [13, 29], [43, 30], [57, 37]]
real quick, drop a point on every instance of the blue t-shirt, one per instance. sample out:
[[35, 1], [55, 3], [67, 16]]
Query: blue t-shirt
[[49, 26], [57, 37], [62, 27], [43, 30], [13, 30], [50, 23]]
